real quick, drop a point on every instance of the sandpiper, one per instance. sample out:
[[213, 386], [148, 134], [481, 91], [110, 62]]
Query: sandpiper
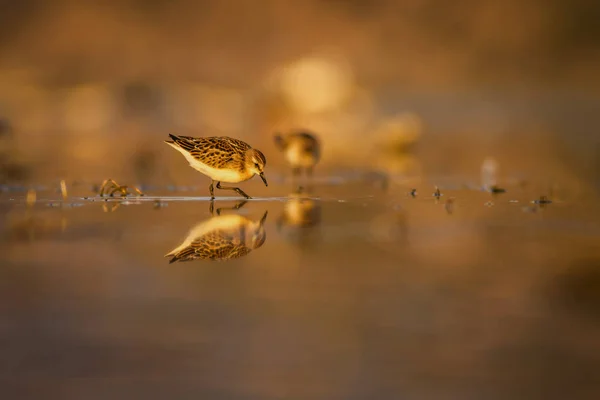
[[222, 159], [220, 238], [301, 149]]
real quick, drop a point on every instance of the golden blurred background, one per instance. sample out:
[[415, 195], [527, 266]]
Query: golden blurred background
[[363, 292], [89, 89]]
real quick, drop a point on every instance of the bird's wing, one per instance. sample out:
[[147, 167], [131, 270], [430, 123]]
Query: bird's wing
[[218, 245], [216, 151]]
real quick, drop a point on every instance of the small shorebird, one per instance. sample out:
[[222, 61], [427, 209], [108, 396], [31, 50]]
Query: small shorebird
[[300, 210], [301, 149], [299, 221], [222, 159], [220, 238]]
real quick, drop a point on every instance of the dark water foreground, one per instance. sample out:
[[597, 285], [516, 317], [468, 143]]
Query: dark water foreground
[[346, 292]]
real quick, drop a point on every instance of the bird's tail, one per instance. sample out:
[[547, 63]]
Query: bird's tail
[[180, 141], [175, 139]]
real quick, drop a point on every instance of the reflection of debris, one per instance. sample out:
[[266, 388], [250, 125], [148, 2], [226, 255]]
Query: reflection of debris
[[110, 207], [449, 206], [31, 197], [489, 204], [158, 204], [114, 187]]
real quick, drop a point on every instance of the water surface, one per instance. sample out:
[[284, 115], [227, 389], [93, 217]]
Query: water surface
[[353, 291]]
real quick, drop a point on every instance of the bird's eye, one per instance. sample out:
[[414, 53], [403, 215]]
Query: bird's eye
[[256, 165]]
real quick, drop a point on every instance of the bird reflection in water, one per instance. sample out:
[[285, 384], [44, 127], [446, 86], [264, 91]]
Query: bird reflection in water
[[300, 216], [221, 238]]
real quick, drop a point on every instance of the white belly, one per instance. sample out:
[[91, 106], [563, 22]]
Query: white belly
[[221, 175]]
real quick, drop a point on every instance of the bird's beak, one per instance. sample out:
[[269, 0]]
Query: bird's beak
[[262, 176]]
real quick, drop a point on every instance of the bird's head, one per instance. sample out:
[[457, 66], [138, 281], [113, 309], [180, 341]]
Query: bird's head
[[255, 161]]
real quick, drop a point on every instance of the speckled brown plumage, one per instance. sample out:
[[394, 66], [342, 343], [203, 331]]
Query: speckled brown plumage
[[221, 158], [220, 238], [215, 151], [216, 246]]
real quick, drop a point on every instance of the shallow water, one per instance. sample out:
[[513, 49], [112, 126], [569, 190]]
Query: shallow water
[[358, 292]]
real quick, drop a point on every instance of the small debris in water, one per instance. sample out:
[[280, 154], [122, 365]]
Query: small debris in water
[[513, 201], [542, 200], [437, 193], [496, 189], [489, 204], [413, 192], [109, 184]]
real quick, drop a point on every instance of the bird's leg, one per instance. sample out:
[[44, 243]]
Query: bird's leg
[[238, 190], [211, 189], [243, 234], [211, 207], [237, 206]]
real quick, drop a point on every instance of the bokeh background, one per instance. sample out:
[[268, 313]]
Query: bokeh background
[[362, 293], [89, 89]]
